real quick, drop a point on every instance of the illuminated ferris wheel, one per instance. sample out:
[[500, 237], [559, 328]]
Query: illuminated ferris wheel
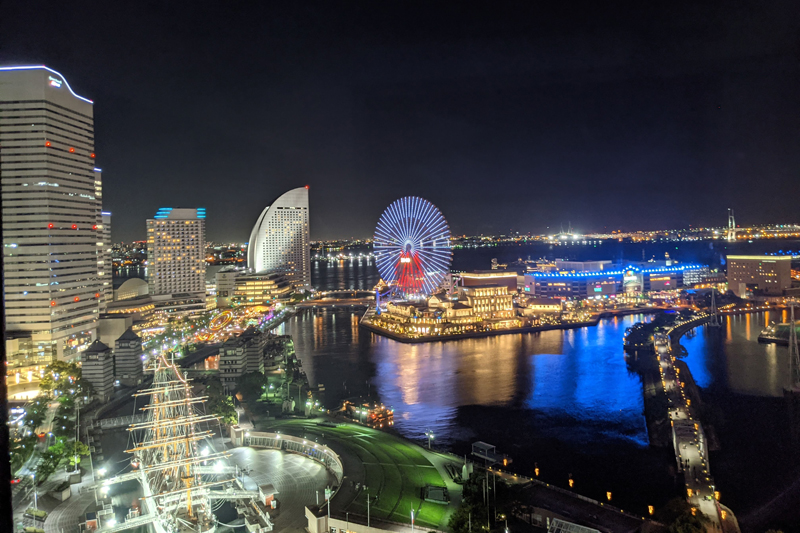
[[412, 246]]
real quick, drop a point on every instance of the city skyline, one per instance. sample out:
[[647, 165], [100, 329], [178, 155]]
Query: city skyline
[[566, 122], [472, 328]]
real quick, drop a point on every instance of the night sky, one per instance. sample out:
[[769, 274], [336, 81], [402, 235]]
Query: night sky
[[515, 116]]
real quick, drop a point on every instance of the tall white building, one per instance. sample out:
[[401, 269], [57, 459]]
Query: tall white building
[[176, 266], [280, 239], [104, 261], [51, 205]]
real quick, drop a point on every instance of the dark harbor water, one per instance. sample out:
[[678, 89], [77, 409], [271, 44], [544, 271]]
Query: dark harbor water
[[566, 402]]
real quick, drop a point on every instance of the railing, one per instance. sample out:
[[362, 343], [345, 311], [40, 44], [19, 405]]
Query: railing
[[313, 450], [119, 421]]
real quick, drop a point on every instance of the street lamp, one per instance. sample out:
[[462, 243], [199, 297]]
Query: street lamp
[[429, 434], [35, 493]]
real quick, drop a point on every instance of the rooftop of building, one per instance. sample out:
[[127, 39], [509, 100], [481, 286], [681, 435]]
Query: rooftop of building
[[129, 335], [489, 274], [760, 257], [97, 347]]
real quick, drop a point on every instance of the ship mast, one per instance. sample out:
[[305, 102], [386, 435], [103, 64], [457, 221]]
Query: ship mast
[[168, 451]]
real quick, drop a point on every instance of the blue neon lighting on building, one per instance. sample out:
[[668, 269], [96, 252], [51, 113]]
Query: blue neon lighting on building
[[34, 67], [629, 268]]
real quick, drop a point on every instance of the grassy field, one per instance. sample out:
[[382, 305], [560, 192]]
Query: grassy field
[[396, 472]]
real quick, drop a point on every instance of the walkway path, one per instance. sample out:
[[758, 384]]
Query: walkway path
[[690, 443]]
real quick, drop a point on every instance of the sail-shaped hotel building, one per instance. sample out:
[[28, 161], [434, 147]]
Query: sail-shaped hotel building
[[280, 241]]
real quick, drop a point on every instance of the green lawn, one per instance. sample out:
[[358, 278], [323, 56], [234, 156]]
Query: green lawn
[[395, 472]]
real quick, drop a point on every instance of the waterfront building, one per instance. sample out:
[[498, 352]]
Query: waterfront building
[[240, 355], [767, 274], [280, 240], [489, 301], [254, 343], [98, 369], [51, 219], [255, 289], [128, 358], [176, 265], [701, 275], [237, 287], [494, 277], [564, 266], [232, 363], [634, 278], [540, 306]]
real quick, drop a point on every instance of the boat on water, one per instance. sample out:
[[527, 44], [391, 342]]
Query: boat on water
[[777, 334]]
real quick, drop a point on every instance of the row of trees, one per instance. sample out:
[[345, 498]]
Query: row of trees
[[62, 450], [65, 379], [64, 382]]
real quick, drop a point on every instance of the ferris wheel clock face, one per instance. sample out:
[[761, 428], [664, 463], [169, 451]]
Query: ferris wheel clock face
[[412, 246]]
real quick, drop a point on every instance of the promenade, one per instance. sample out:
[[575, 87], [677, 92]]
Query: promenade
[[690, 442]]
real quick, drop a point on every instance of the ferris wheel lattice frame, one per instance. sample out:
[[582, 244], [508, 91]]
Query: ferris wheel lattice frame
[[412, 247]]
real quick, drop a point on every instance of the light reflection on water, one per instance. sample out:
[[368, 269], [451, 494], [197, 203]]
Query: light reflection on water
[[576, 378], [734, 361]]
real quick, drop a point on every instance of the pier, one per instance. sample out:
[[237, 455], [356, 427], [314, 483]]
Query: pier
[[689, 439]]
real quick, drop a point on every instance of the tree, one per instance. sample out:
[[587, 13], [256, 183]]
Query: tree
[[60, 377], [678, 514], [74, 451], [220, 404], [252, 385], [47, 466], [689, 523]]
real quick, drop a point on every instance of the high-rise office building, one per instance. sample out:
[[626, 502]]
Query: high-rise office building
[[51, 217], [104, 261], [176, 266], [280, 242]]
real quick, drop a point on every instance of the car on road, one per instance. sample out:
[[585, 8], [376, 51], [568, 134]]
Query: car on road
[[15, 480]]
